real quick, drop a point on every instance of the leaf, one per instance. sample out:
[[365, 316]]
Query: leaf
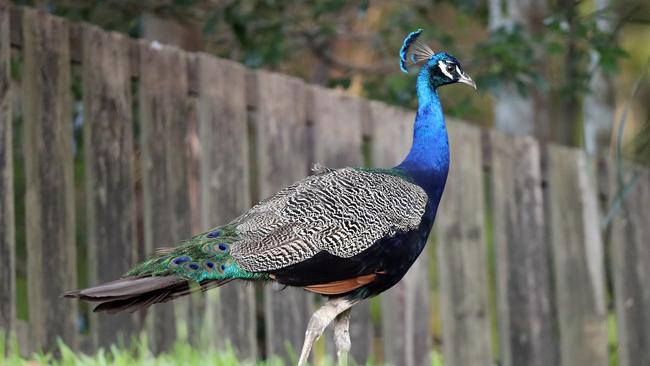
[[554, 47]]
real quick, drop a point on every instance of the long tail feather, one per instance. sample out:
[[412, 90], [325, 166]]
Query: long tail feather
[[136, 293], [197, 264]]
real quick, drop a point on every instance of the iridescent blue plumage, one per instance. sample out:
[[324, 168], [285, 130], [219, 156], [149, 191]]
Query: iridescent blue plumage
[[408, 41], [428, 158]]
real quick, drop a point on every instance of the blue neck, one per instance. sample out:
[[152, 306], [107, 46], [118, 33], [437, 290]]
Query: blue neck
[[428, 159]]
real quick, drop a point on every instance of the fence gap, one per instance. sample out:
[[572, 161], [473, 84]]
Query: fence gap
[[81, 240], [490, 252], [21, 302], [7, 221]]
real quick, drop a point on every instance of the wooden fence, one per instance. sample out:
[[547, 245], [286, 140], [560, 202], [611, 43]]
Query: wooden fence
[[176, 142]]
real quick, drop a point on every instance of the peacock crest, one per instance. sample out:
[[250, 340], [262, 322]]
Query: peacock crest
[[413, 51]]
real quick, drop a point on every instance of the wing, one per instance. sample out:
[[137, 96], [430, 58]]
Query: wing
[[342, 212]]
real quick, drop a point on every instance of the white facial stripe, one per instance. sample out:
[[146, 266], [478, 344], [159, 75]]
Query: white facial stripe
[[443, 68], [458, 71]]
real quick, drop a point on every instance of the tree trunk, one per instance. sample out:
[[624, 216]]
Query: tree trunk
[[514, 113], [599, 103]]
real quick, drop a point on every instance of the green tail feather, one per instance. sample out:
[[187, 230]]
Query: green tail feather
[[202, 258]]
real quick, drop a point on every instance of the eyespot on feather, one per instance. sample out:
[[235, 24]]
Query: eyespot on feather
[[218, 248], [192, 266], [179, 261], [209, 266], [221, 268], [214, 234]]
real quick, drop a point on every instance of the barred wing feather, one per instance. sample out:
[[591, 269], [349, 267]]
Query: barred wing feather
[[341, 211]]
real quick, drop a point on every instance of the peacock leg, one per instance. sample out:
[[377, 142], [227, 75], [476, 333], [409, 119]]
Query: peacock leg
[[342, 337], [319, 321]]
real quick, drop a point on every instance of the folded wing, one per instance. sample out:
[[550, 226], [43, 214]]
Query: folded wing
[[342, 212]]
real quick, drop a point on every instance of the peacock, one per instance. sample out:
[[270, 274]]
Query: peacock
[[348, 234]]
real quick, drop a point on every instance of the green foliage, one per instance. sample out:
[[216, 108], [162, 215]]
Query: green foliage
[[436, 359], [508, 55], [280, 34], [569, 40], [612, 339], [139, 355]]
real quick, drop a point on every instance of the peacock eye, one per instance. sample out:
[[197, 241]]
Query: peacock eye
[[179, 261], [450, 68]]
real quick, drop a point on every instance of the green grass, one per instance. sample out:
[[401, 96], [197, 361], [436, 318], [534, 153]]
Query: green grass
[[139, 355]]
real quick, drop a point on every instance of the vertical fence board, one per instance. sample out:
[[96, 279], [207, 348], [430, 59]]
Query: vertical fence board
[[407, 337], [630, 251], [281, 160], [50, 217], [462, 257], [164, 109], [108, 133], [195, 305], [7, 224], [337, 128], [391, 132], [578, 259], [225, 184], [337, 140], [526, 318]]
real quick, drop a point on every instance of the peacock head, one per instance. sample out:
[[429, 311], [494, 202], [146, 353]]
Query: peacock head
[[438, 69]]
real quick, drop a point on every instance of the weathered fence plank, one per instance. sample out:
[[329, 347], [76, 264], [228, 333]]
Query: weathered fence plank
[[281, 156], [406, 336], [578, 259], [523, 255], [391, 130], [7, 224], [630, 253], [50, 216], [225, 184], [195, 305], [108, 133], [163, 116], [462, 262], [337, 140], [336, 128]]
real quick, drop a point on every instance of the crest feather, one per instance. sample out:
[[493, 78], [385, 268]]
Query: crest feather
[[418, 51]]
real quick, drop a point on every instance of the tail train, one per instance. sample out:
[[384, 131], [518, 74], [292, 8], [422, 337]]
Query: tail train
[[198, 264], [131, 294]]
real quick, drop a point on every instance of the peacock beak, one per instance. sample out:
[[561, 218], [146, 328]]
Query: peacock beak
[[465, 79]]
